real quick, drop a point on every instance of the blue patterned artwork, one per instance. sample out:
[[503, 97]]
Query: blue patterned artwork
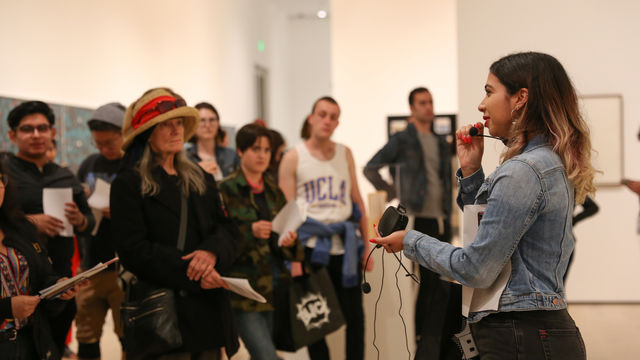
[[72, 134]]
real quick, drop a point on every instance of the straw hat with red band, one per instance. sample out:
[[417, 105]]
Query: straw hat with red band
[[156, 106]]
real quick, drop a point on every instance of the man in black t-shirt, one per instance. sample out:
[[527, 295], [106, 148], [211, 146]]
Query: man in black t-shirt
[[104, 292]]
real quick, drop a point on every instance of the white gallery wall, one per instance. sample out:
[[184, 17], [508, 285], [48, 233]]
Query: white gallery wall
[[309, 70], [88, 53], [596, 41]]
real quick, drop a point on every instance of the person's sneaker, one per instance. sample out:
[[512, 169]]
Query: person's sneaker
[[69, 354]]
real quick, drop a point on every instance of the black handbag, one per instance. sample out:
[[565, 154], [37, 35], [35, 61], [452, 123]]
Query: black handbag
[[306, 310], [151, 325], [150, 322]]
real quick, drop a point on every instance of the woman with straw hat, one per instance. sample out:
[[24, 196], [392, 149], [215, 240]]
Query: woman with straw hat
[[146, 208]]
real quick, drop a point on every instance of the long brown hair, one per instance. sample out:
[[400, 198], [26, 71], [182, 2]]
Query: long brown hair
[[552, 110], [10, 210]]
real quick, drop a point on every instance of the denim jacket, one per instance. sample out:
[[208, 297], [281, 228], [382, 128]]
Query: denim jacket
[[404, 153], [528, 220], [226, 158]]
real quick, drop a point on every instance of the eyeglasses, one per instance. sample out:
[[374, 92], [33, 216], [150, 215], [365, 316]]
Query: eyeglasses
[[29, 129], [110, 144], [211, 120], [164, 106]]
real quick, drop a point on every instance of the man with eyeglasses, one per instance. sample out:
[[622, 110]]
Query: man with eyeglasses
[[31, 129], [104, 292]]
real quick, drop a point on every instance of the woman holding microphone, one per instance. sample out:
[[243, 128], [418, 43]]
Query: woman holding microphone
[[530, 197]]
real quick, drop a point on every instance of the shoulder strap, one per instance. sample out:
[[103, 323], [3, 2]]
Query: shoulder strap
[[183, 222]]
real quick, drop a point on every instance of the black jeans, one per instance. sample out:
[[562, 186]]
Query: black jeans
[[438, 306], [351, 305], [528, 335]]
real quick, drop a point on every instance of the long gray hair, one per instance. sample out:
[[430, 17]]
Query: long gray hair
[[190, 177]]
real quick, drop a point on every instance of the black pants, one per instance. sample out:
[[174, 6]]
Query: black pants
[[60, 251], [351, 305], [530, 335], [61, 323], [438, 306]]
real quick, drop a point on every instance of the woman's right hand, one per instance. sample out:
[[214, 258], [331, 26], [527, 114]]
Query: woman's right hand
[[261, 229], [470, 149], [22, 306]]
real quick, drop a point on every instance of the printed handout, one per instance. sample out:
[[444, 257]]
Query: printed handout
[[53, 204]]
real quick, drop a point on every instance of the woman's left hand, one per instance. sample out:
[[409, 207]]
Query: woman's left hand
[[289, 239], [71, 293], [201, 263], [392, 243], [73, 214], [212, 280]]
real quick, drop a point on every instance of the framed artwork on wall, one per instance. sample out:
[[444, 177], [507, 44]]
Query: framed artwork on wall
[[73, 139], [443, 124]]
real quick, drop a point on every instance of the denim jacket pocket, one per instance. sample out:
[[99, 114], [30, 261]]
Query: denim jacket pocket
[[562, 344]]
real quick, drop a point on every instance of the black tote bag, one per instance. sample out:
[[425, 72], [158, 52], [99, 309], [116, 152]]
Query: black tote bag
[[307, 309]]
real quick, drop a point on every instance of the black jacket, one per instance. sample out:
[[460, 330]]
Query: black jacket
[[23, 238], [31, 183], [99, 247], [146, 231], [404, 153]]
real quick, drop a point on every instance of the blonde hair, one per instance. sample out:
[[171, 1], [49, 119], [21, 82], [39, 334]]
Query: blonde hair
[[551, 110], [190, 177]]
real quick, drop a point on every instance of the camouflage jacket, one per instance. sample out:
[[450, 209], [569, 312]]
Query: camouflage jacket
[[256, 259]]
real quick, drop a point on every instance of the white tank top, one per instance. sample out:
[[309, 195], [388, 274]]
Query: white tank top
[[323, 189]]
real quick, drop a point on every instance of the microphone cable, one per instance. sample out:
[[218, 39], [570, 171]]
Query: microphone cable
[[375, 308], [366, 288], [404, 325]]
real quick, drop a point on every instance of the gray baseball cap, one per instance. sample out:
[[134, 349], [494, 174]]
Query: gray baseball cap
[[112, 113]]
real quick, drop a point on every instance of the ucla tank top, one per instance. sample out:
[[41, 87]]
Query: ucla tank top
[[323, 189]]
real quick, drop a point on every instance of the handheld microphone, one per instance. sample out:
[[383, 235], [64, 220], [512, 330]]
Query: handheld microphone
[[474, 132]]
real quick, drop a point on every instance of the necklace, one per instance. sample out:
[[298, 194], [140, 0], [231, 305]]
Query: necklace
[[256, 189]]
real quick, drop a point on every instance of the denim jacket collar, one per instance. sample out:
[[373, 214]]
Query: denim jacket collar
[[537, 141]]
